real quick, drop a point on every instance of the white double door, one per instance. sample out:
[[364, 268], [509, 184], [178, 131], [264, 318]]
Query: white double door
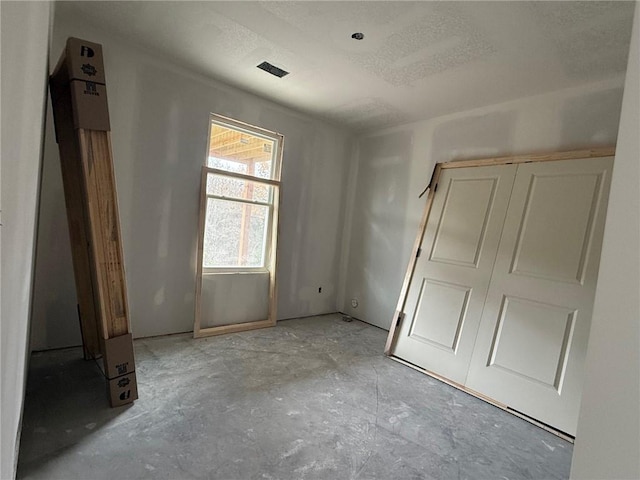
[[501, 296]]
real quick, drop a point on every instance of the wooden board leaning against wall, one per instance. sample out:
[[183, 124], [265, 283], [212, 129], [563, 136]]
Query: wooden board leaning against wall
[[585, 172], [81, 118]]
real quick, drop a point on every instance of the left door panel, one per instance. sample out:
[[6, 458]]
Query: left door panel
[[449, 285]]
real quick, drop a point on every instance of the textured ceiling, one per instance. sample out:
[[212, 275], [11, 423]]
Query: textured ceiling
[[417, 60]]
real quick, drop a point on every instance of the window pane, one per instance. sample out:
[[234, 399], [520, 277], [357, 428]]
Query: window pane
[[224, 186], [240, 152], [228, 165], [234, 234]]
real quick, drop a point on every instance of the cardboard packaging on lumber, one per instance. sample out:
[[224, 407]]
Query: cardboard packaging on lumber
[[81, 118], [123, 390]]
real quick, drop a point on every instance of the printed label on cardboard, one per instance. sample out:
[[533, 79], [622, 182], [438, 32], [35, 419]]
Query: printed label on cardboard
[[118, 356], [85, 60], [123, 390], [90, 108]]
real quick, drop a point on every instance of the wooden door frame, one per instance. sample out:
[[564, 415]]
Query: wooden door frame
[[433, 188]]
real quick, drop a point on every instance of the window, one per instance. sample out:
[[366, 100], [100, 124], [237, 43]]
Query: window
[[240, 188], [240, 191]]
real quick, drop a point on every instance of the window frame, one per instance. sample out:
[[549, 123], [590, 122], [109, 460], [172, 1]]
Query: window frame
[[271, 237], [273, 181]]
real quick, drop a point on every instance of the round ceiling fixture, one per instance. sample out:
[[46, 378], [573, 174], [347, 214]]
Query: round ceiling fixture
[[358, 36]]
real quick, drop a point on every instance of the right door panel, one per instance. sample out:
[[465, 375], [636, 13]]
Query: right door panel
[[532, 339]]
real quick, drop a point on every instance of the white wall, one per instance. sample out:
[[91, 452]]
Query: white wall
[[224, 298], [24, 39], [159, 117], [393, 166], [608, 438]]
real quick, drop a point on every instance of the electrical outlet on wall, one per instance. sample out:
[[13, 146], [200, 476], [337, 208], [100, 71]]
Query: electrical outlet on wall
[[354, 303]]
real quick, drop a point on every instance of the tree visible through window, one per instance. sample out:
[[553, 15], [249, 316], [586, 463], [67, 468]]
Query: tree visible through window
[[242, 175]]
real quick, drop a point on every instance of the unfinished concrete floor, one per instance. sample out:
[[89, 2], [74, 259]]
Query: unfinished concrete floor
[[311, 398]]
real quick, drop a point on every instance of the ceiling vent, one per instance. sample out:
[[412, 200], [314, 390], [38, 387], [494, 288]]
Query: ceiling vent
[[272, 69]]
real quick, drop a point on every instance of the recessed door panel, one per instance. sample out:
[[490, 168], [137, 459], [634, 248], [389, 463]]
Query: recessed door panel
[[439, 314], [445, 298], [462, 226], [557, 226], [532, 339]]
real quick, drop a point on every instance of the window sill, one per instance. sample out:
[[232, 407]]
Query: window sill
[[248, 271]]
